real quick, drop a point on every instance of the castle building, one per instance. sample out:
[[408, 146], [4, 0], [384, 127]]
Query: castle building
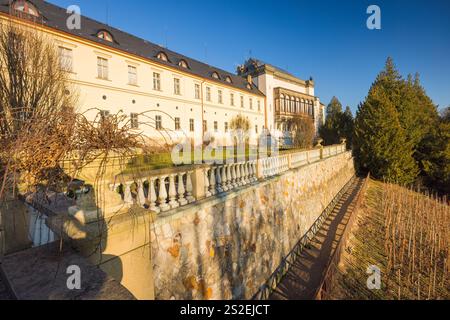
[[166, 95]]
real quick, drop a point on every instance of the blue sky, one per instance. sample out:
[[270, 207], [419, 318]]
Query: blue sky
[[327, 40]]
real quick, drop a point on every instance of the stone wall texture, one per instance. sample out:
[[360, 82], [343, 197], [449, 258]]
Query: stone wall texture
[[227, 248]]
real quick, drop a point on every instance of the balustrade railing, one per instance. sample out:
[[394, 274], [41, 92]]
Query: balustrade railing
[[162, 192]]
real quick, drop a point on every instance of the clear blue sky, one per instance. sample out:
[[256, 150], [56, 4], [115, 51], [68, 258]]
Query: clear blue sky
[[327, 40]]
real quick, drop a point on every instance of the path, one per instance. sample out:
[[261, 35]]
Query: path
[[305, 276]]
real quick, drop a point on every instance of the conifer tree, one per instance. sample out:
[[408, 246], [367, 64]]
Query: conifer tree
[[330, 132], [380, 142]]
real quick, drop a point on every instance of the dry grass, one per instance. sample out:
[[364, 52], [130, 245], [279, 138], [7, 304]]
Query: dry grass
[[404, 233]]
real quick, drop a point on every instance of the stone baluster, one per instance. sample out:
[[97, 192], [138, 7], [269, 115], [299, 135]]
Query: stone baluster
[[152, 198], [255, 171], [127, 196], [245, 173], [212, 181], [162, 198], [224, 179], [173, 192], [206, 176], [189, 188], [233, 176], [265, 168], [181, 190], [219, 180], [229, 177], [238, 175], [251, 174], [141, 193]]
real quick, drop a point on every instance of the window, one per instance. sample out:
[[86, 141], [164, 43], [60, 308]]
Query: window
[[242, 101], [250, 103], [215, 75], [197, 91], [132, 75], [228, 79], [158, 123], [162, 56], [25, 7], [256, 129], [232, 99], [226, 127], [183, 64], [104, 114], [177, 124], [134, 121], [102, 68], [65, 59], [220, 97], [191, 125], [205, 126], [259, 105], [176, 86], [105, 35], [216, 126], [208, 94], [156, 81]]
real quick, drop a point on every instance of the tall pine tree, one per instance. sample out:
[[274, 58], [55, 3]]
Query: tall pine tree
[[381, 144]]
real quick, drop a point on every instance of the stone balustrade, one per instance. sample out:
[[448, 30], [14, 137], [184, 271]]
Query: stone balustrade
[[158, 193], [178, 187]]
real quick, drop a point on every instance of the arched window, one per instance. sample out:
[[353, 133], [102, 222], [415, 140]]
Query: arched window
[[297, 105], [292, 105], [215, 75], [282, 102], [228, 79], [249, 87], [25, 7], [105, 35], [288, 104], [162, 56], [303, 108], [183, 64]]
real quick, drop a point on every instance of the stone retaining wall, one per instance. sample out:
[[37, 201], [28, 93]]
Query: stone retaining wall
[[227, 248]]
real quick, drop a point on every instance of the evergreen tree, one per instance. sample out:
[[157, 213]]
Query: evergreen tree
[[330, 132], [380, 142], [436, 160], [347, 126]]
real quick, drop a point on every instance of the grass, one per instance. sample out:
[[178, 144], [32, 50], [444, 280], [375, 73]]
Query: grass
[[164, 160], [406, 235]]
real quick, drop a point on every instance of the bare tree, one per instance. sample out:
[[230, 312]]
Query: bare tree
[[37, 115], [303, 132]]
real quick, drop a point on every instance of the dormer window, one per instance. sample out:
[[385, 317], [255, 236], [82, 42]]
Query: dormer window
[[228, 79], [25, 7], [105, 35], [215, 75], [162, 56], [183, 64], [249, 87]]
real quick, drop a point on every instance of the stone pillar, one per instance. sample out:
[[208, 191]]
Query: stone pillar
[[198, 183], [259, 169]]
